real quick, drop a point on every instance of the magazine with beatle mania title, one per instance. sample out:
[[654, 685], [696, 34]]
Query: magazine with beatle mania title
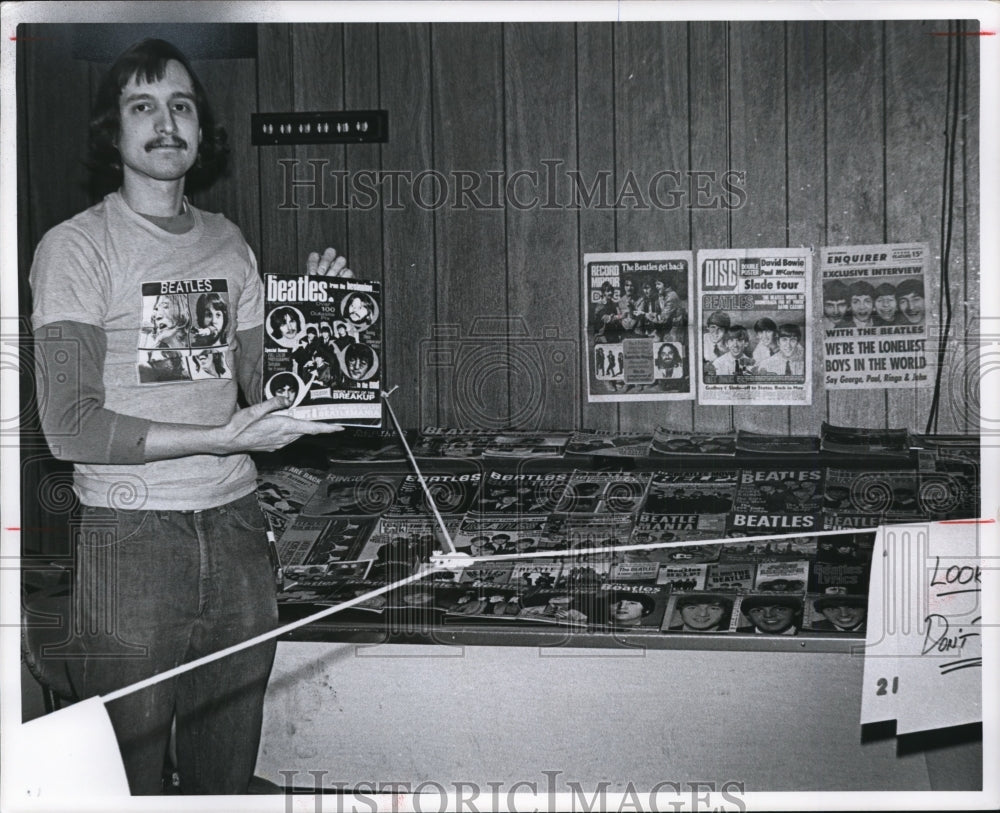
[[323, 347]]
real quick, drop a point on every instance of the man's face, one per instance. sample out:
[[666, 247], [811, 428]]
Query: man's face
[[159, 134], [843, 616], [285, 392], [341, 331], [204, 361], [165, 314], [735, 345], [714, 333], [214, 319], [702, 616], [805, 490], [787, 345], [861, 307], [479, 545], [357, 367], [626, 611], [357, 310], [885, 307], [289, 326], [912, 307], [773, 618], [834, 308]]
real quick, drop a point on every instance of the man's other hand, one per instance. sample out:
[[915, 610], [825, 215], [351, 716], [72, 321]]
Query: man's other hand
[[330, 264]]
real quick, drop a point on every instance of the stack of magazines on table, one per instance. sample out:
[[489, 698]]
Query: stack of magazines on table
[[731, 544]]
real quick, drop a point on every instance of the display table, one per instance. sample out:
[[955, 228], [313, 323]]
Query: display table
[[412, 696], [413, 713]]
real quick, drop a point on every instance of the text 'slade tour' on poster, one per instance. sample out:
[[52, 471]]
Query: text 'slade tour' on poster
[[754, 326], [637, 330]]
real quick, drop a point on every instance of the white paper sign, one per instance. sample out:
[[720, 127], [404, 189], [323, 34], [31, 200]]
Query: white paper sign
[[923, 653]]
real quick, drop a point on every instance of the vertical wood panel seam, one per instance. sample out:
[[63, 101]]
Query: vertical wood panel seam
[[380, 156], [692, 270], [583, 367], [343, 96], [788, 201], [729, 163], [438, 373], [504, 147], [826, 168], [885, 179], [970, 42], [615, 28]]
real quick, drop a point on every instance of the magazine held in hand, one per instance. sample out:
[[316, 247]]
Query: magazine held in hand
[[323, 347]]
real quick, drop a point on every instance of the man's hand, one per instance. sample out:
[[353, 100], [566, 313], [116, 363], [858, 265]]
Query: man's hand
[[254, 429], [329, 265]]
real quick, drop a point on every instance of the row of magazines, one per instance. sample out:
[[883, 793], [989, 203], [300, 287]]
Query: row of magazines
[[376, 446], [649, 549]]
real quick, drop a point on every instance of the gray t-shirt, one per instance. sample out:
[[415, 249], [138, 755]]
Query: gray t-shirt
[[169, 306]]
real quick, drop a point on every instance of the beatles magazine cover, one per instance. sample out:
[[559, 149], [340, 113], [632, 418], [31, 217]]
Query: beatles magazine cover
[[637, 333], [876, 316], [323, 347], [754, 322]]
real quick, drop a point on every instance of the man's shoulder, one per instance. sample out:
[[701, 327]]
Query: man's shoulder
[[86, 224], [218, 223]]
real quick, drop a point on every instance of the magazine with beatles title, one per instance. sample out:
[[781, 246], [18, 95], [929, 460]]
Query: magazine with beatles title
[[323, 347], [636, 329], [755, 325], [777, 500]]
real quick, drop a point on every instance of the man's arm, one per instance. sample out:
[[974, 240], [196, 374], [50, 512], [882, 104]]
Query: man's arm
[[81, 429]]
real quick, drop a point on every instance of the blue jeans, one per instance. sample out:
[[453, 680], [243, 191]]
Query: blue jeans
[[155, 589]]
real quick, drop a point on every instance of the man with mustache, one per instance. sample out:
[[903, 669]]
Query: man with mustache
[[181, 567]]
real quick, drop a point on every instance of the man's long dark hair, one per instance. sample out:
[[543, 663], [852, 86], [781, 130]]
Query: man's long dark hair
[[148, 60]]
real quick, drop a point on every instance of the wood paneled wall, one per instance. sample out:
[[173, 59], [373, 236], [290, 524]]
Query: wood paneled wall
[[843, 130]]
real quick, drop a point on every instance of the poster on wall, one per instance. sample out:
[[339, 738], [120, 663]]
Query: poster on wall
[[637, 333], [876, 314], [754, 325]]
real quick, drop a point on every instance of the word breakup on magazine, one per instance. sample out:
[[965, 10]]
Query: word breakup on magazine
[[323, 347]]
